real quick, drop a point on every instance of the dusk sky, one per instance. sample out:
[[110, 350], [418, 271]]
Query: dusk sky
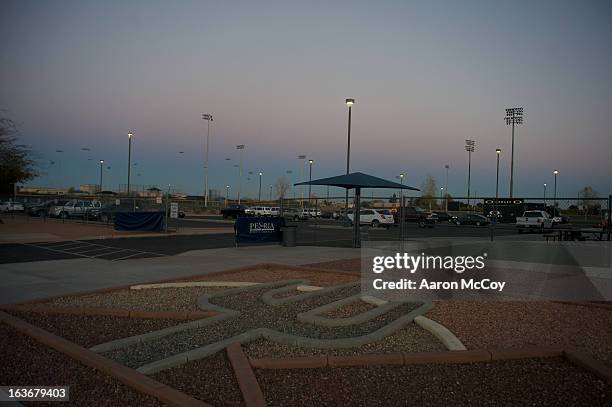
[[425, 75]]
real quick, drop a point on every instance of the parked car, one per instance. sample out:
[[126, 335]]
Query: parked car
[[443, 216], [374, 217], [74, 208], [471, 219], [274, 211], [10, 206], [534, 220], [234, 211], [42, 209], [294, 214], [106, 213], [262, 211]]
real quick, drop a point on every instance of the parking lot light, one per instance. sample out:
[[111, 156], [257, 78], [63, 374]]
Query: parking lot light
[[545, 195], [556, 172], [310, 180], [349, 102], [130, 135], [227, 188], [259, 196], [101, 166]]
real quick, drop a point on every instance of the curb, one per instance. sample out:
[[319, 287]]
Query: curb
[[178, 315], [125, 375], [585, 361], [607, 306], [405, 358], [448, 339], [249, 387]]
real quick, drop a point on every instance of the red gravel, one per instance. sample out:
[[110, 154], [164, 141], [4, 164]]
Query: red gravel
[[342, 265], [89, 330], [265, 276], [552, 382], [350, 310], [211, 379], [517, 324], [28, 362]]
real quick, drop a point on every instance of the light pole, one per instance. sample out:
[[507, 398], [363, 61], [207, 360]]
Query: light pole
[[101, 165], [227, 188], [301, 157], [545, 195], [310, 180], [497, 152], [470, 147], [513, 116], [441, 195], [556, 172], [130, 135], [349, 103], [240, 147], [208, 117], [259, 196], [446, 189]]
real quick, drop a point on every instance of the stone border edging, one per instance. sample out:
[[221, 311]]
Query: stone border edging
[[114, 312], [249, 386], [189, 284], [576, 357], [125, 375], [443, 334]]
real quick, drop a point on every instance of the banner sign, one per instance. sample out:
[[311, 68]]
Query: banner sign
[[149, 221], [259, 229], [174, 210]]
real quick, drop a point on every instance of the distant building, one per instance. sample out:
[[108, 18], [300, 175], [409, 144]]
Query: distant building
[[90, 188], [42, 190]]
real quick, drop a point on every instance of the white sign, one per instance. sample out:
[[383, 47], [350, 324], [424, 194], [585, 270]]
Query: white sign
[[174, 210], [117, 202], [158, 200]]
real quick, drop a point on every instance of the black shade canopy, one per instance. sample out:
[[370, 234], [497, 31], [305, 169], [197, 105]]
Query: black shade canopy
[[357, 180]]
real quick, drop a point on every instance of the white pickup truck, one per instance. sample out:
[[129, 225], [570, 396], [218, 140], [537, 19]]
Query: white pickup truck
[[534, 220]]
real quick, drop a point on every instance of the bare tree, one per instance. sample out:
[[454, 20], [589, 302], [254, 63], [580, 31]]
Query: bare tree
[[282, 186], [16, 160]]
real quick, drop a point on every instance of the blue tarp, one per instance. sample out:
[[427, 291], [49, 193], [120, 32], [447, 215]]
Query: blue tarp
[[148, 221], [259, 229]]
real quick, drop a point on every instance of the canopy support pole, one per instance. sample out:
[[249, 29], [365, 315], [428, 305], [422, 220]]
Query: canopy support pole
[[356, 220]]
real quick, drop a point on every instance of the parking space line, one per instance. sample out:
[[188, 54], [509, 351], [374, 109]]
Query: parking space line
[[55, 250], [109, 253], [134, 255], [55, 246], [113, 247]]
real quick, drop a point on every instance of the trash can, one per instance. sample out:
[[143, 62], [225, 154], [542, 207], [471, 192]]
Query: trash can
[[289, 233]]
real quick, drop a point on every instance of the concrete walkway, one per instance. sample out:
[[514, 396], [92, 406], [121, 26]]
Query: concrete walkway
[[28, 281]]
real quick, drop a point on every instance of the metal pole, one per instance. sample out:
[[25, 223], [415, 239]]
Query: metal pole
[[259, 195], [469, 177], [356, 219], [512, 162], [555, 196], [101, 163], [309, 181], [240, 177], [544, 196], [129, 162], [206, 167], [348, 154], [497, 182], [446, 189]]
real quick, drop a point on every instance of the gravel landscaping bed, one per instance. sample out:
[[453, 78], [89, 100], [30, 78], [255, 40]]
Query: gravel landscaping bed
[[90, 330], [28, 362], [412, 338], [517, 324], [350, 310], [152, 299], [343, 265], [255, 314], [553, 382], [211, 380], [268, 276]]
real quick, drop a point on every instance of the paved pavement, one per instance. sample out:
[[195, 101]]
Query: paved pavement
[[30, 280]]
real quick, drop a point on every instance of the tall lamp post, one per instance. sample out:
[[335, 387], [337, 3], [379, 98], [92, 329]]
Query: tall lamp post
[[208, 117], [301, 157], [227, 188], [310, 180], [240, 147], [446, 189], [497, 152], [470, 147], [545, 195], [101, 165], [349, 103], [130, 135], [259, 195], [441, 195], [514, 116], [556, 172]]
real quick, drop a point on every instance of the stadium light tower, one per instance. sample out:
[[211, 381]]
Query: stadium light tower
[[514, 116], [470, 147]]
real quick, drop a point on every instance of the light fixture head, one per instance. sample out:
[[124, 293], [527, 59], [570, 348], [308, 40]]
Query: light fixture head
[[260, 174], [310, 161], [402, 175], [130, 135], [545, 184], [498, 151], [555, 172], [350, 102], [101, 161]]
